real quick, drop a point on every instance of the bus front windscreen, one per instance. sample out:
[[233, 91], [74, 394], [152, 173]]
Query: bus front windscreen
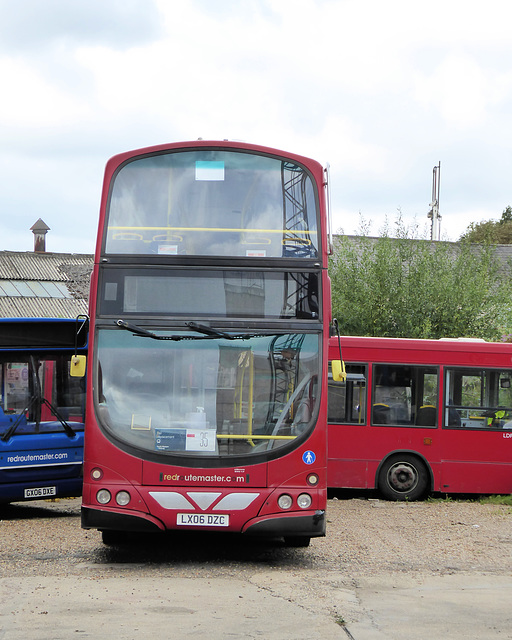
[[212, 202], [219, 396]]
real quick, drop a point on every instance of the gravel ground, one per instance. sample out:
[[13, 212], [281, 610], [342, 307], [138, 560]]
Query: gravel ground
[[375, 556], [365, 537], [434, 538]]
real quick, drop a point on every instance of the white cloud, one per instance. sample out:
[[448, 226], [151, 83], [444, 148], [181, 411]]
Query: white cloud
[[31, 102], [463, 91], [381, 90], [30, 27]]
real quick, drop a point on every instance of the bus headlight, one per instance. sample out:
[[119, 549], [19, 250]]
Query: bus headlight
[[96, 473], [304, 501], [103, 496], [122, 498], [284, 501]]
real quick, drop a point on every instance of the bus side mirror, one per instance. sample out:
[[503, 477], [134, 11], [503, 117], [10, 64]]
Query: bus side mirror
[[77, 367], [338, 371]]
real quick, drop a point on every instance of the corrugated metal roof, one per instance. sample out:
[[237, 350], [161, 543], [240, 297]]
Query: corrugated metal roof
[[56, 267], [42, 307], [67, 275]]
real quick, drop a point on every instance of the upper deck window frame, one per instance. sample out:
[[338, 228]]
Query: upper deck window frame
[[264, 241]]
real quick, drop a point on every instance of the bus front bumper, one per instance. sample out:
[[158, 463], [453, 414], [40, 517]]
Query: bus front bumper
[[310, 525], [105, 520]]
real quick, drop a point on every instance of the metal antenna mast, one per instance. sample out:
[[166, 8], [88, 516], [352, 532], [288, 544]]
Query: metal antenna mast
[[433, 214]]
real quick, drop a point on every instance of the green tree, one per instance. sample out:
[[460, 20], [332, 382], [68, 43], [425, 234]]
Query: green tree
[[409, 287], [491, 231], [506, 216]]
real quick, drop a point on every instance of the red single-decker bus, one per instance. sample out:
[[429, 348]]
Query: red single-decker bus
[[416, 416]]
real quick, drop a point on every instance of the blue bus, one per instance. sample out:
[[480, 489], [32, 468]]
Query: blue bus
[[42, 408]]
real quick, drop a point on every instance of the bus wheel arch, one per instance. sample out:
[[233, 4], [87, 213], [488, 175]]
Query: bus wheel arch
[[404, 475]]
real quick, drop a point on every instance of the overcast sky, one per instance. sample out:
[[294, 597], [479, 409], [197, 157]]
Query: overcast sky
[[383, 91]]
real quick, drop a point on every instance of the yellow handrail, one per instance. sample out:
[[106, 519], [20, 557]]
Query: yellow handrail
[[226, 436], [216, 229]]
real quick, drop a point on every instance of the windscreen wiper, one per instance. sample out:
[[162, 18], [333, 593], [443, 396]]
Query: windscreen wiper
[[208, 332], [138, 330], [41, 401], [144, 333], [215, 333]]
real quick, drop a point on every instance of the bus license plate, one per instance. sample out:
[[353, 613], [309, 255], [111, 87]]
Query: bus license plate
[[202, 520], [40, 492]]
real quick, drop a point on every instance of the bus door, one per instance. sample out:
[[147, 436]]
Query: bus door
[[403, 453], [347, 432]]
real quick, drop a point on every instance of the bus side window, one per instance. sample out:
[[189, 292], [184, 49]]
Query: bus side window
[[347, 400], [336, 401], [405, 395], [477, 398]]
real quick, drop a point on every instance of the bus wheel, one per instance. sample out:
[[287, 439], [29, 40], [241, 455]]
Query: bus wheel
[[297, 541], [403, 477], [111, 537]]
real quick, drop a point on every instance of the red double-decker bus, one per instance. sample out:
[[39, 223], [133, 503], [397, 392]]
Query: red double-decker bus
[[210, 306], [415, 416]]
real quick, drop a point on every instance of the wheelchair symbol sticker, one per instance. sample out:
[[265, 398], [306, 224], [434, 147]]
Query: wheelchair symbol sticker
[[308, 457]]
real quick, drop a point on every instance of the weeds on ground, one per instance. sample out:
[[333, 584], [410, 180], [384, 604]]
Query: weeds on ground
[[496, 499], [339, 619], [506, 500]]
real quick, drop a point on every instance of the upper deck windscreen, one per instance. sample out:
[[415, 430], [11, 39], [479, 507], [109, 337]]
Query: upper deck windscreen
[[208, 202]]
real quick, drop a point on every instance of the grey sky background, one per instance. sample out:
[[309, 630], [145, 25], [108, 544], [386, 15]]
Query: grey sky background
[[382, 91]]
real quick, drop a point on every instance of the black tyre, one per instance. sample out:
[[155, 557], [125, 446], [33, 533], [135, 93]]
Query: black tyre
[[403, 477], [111, 537], [297, 541]]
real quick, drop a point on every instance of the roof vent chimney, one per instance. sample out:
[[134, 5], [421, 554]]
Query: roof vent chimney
[[39, 229]]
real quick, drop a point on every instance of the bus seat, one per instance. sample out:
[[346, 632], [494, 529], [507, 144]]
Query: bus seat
[[381, 413], [166, 244], [453, 417], [426, 416], [3, 418], [128, 246], [303, 414], [246, 239]]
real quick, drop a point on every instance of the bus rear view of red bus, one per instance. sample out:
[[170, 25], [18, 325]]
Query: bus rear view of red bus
[[210, 305]]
